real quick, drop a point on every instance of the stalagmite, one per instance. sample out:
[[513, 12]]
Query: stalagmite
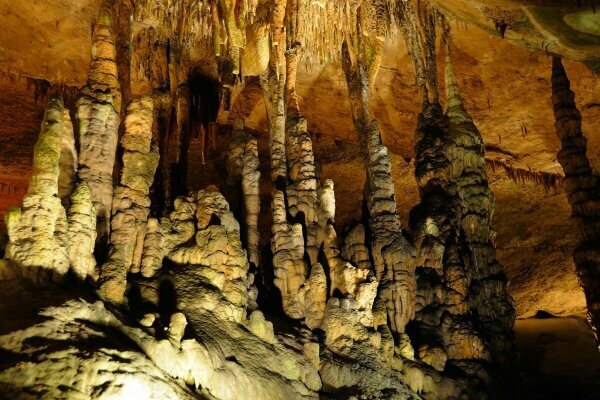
[[202, 238], [316, 297], [82, 232], [287, 244], [273, 86], [393, 256], [583, 190], [251, 190], [488, 283], [301, 189], [242, 166], [38, 242], [68, 161], [98, 111], [355, 249], [131, 200]]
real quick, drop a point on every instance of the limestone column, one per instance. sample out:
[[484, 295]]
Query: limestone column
[[98, 111], [131, 201]]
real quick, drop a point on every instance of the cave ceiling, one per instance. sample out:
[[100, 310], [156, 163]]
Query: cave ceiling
[[505, 80]]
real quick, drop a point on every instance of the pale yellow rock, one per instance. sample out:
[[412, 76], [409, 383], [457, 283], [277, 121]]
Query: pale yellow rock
[[38, 242], [98, 110], [261, 327], [82, 232], [131, 202]]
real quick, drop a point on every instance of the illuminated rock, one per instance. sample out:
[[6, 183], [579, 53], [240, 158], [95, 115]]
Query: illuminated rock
[[98, 110], [131, 202], [38, 242]]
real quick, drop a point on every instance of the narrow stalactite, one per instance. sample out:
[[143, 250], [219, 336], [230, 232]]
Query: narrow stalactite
[[183, 137], [582, 188], [131, 201], [549, 180], [98, 110]]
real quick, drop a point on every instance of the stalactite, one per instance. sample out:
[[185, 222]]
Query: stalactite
[[98, 111], [131, 201], [162, 195], [582, 187], [183, 136], [550, 181]]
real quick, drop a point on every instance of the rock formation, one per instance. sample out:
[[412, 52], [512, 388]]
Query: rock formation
[[38, 241], [392, 255], [488, 284], [167, 270], [582, 188], [243, 164], [82, 233], [98, 111], [68, 161], [131, 201]]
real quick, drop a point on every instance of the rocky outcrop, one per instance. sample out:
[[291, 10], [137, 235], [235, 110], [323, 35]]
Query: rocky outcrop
[[223, 358], [582, 187], [88, 350], [98, 110], [38, 242], [131, 201]]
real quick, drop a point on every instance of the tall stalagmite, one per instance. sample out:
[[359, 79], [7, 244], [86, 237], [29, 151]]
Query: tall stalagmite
[[393, 256], [583, 190], [488, 285], [98, 110], [37, 232], [131, 201]]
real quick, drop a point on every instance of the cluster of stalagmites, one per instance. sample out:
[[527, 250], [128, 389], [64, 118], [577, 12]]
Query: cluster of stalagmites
[[376, 311], [44, 239]]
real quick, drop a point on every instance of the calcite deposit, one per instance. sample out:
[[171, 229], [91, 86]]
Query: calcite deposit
[[131, 201], [98, 111], [298, 200], [37, 232]]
